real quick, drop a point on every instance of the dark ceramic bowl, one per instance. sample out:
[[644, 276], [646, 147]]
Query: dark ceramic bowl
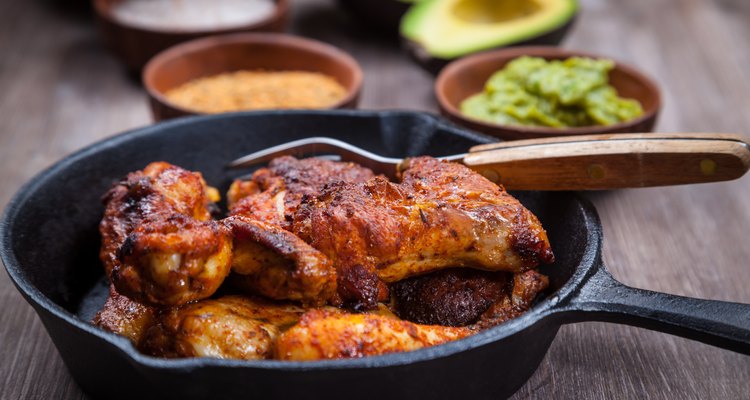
[[467, 76], [64, 281], [135, 45], [383, 15], [218, 54]]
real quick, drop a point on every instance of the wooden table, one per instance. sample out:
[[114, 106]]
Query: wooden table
[[62, 90]]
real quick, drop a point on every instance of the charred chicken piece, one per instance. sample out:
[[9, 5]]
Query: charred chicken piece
[[461, 297], [450, 297], [159, 243], [442, 215], [229, 327], [125, 317], [326, 334], [277, 264], [526, 287], [274, 193]]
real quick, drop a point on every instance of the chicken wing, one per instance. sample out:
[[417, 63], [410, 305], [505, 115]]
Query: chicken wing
[[275, 263], [274, 193], [125, 317], [325, 334], [493, 210], [159, 243], [272, 197], [229, 327], [442, 215]]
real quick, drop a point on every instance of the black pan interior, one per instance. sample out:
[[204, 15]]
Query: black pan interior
[[54, 224]]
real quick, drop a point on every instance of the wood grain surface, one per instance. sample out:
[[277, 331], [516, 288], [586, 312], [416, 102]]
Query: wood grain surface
[[61, 90]]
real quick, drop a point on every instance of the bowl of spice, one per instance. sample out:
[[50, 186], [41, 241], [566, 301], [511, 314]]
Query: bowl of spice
[[251, 71], [136, 30], [529, 92]]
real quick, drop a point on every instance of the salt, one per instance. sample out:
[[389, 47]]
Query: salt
[[192, 15]]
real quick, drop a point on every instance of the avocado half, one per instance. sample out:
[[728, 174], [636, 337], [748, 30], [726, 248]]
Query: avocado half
[[438, 31]]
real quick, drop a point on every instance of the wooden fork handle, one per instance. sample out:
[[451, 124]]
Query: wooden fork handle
[[595, 162]]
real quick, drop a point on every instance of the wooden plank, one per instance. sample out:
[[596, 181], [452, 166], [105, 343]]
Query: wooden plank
[[62, 90]]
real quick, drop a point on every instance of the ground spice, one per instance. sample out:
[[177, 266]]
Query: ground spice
[[256, 90]]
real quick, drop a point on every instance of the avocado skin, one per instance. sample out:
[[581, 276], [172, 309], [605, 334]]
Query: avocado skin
[[434, 64], [383, 15]]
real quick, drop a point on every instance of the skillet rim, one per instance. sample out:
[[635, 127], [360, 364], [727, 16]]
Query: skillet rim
[[552, 304]]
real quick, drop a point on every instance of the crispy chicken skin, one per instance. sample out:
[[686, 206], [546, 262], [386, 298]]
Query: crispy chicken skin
[[275, 263], [124, 316], [272, 197], [274, 193], [229, 327], [459, 187], [159, 243], [325, 334], [389, 231]]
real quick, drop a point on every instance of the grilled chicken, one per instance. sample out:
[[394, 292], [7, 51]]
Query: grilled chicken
[[461, 297], [316, 232], [274, 193], [333, 334], [326, 334], [273, 262], [125, 317], [229, 327], [272, 198], [516, 237], [450, 297], [159, 243], [526, 287], [442, 215]]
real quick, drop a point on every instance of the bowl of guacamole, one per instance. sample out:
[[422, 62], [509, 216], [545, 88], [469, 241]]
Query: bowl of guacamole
[[519, 93]]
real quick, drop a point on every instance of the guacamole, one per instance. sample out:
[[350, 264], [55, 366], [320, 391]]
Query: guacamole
[[558, 93]]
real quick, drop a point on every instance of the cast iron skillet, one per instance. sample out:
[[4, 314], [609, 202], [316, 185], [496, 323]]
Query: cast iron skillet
[[50, 244]]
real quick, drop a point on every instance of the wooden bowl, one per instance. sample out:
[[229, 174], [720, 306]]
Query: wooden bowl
[[135, 45], [226, 53], [467, 76]]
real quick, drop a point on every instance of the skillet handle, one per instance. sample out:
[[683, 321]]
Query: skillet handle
[[718, 323], [613, 161]]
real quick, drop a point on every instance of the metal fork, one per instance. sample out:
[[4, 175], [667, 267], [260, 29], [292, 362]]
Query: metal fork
[[592, 162], [325, 146]]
